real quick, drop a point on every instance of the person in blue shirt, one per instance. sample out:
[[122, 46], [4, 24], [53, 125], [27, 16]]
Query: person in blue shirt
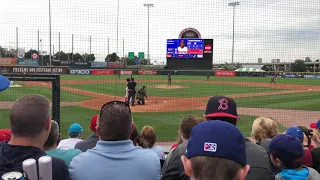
[[50, 146], [115, 157]]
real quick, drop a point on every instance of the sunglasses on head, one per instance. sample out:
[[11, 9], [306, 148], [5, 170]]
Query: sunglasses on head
[[113, 103]]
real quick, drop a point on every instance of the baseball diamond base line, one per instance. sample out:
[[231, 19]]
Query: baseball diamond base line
[[169, 104]]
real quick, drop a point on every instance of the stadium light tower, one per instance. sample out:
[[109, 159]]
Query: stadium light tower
[[233, 4], [148, 6], [50, 32]]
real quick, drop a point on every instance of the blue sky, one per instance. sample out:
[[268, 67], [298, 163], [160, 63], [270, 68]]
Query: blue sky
[[286, 29]]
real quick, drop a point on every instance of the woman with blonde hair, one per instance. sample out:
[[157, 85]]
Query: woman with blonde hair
[[264, 129], [149, 134]]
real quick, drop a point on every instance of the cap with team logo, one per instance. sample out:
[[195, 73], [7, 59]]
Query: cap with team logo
[[217, 139], [221, 106], [4, 83]]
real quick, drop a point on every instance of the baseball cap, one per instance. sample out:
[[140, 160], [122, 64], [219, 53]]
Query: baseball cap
[[221, 106], [286, 148], [295, 132], [217, 139], [93, 123], [75, 129], [4, 83], [315, 125], [5, 135]]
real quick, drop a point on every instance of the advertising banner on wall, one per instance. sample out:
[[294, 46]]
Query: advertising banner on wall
[[27, 62], [224, 73], [102, 72], [292, 76], [81, 65], [8, 61], [126, 72], [312, 76], [147, 72], [80, 71], [115, 65], [38, 70], [99, 64]]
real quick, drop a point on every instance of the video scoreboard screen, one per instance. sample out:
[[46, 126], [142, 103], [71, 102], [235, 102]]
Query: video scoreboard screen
[[185, 48]]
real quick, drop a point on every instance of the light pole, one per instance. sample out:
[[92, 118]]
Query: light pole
[[41, 51], [233, 4], [148, 6], [50, 32], [118, 26]]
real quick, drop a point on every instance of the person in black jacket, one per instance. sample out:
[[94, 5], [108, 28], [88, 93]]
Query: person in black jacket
[[30, 125]]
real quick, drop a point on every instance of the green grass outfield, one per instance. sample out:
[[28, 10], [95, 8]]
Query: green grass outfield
[[166, 124], [193, 90]]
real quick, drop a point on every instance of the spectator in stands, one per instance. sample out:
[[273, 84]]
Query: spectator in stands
[[75, 131], [316, 132], [5, 135], [286, 153], [92, 140], [263, 130], [299, 135], [225, 109], [179, 141], [173, 168], [30, 124], [137, 139], [50, 146], [115, 156], [149, 134], [216, 150]]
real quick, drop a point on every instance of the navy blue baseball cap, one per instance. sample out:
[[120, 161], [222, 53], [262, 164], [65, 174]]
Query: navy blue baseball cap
[[315, 125], [295, 132], [4, 83], [221, 106], [286, 148], [217, 139]]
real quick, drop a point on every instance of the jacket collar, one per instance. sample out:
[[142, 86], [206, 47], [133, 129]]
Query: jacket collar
[[115, 145]]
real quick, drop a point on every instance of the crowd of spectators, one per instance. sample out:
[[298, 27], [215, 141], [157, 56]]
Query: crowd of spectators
[[207, 148]]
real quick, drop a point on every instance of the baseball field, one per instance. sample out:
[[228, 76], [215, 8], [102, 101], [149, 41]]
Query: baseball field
[[290, 102]]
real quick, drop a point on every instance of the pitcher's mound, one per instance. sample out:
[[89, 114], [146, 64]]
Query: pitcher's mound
[[168, 87]]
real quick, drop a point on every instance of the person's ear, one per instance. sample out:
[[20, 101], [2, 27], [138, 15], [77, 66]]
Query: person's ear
[[243, 172], [48, 125], [187, 166]]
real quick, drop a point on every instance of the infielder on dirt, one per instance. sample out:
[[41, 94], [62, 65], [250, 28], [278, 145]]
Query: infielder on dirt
[[273, 79], [169, 79]]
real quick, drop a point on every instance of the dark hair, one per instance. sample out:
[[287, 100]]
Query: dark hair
[[226, 119], [187, 124], [137, 139], [73, 135], [29, 115], [149, 134], [208, 168], [115, 122], [53, 135], [132, 79]]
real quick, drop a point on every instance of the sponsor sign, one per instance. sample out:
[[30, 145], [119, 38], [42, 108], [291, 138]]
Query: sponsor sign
[[5, 69], [28, 62], [292, 76], [224, 73], [80, 71], [8, 61], [34, 56], [99, 64], [147, 72], [21, 53], [82, 65], [102, 72], [312, 76], [64, 63], [115, 65], [125, 72], [208, 48], [39, 70]]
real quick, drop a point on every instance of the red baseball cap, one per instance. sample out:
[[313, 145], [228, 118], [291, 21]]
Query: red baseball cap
[[93, 123], [315, 125], [5, 135]]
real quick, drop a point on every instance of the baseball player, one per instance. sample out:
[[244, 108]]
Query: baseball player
[[127, 91], [273, 79], [208, 76], [169, 79], [131, 91], [142, 93]]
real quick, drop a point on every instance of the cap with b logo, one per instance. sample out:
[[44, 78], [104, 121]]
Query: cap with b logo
[[217, 139], [221, 106]]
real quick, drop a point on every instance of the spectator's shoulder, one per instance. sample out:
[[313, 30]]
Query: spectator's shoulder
[[59, 169], [147, 154]]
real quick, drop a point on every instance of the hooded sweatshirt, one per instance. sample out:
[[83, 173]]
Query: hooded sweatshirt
[[305, 174], [12, 156]]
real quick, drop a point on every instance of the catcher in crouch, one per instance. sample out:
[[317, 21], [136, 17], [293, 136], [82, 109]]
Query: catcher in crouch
[[142, 93]]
